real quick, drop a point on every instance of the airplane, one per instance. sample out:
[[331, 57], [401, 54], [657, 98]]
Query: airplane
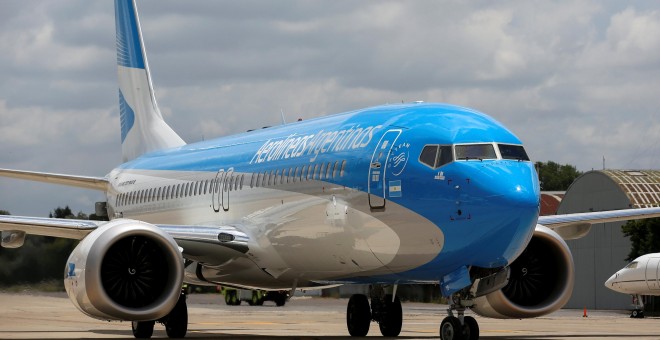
[[418, 193], [639, 277]]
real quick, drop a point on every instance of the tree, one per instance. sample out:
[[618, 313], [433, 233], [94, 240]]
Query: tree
[[644, 236], [4, 212], [556, 177], [40, 258], [60, 212]]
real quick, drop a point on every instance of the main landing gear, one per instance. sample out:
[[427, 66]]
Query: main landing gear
[[459, 327], [176, 322], [385, 309]]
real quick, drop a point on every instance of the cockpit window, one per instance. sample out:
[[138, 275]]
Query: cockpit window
[[631, 265], [428, 155], [475, 151], [436, 156], [516, 152]]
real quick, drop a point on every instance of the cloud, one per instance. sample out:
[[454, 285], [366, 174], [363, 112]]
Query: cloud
[[576, 81]]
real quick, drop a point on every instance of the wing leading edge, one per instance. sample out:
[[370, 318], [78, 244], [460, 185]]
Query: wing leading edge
[[12, 227], [86, 182], [574, 226]]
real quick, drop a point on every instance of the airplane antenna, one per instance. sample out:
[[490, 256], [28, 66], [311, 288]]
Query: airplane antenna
[[283, 120]]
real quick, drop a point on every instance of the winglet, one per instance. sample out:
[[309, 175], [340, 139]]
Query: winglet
[[142, 126]]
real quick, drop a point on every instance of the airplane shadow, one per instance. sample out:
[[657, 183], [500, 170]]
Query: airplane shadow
[[193, 334]]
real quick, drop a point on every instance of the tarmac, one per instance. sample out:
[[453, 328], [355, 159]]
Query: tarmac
[[52, 316]]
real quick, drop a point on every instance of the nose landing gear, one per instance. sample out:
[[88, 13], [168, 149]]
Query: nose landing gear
[[459, 327]]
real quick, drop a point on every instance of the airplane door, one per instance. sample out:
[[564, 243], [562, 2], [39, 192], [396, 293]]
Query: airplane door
[[226, 187], [652, 273], [216, 190], [377, 167]]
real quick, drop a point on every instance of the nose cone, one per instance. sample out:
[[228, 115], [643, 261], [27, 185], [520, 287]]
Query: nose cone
[[505, 197], [612, 283]]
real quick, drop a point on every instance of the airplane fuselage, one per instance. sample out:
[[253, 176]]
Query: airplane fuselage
[[397, 193], [639, 277]]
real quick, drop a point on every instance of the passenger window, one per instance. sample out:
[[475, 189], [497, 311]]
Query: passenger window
[[277, 176], [252, 180], [263, 179], [327, 171], [334, 169], [296, 174], [285, 178], [242, 178], [343, 166], [315, 175]]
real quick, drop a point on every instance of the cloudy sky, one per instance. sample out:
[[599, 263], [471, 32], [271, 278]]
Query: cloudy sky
[[575, 80]]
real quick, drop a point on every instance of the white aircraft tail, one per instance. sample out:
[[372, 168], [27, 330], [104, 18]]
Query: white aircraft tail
[[142, 126]]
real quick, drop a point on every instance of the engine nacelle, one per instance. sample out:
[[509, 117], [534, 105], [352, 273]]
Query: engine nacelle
[[125, 270], [541, 280]]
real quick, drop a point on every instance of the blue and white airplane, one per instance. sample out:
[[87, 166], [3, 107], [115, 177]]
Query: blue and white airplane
[[389, 195]]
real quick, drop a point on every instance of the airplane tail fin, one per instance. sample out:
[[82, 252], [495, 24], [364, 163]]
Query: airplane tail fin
[[142, 126]]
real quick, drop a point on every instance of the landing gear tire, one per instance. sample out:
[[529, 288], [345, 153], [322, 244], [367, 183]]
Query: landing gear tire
[[637, 314], [280, 299], [390, 325], [176, 325], [451, 329], [143, 329], [358, 315], [470, 328]]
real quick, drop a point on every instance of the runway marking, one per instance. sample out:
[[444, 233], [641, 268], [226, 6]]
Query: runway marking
[[236, 323]]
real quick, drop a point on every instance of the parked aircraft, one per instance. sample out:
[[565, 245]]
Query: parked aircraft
[[417, 193], [639, 277]]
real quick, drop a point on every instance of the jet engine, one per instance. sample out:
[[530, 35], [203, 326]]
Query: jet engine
[[125, 270], [541, 280]]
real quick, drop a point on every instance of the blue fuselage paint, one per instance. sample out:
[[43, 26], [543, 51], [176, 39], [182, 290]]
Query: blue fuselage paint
[[368, 211]]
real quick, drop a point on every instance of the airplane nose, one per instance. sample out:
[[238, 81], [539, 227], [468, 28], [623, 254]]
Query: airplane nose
[[512, 185], [611, 283], [504, 196]]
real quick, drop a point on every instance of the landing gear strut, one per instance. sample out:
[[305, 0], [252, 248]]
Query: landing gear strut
[[638, 307], [385, 309], [459, 327], [176, 322]]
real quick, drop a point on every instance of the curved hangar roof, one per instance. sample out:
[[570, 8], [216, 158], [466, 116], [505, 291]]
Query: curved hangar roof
[[600, 190], [641, 186]]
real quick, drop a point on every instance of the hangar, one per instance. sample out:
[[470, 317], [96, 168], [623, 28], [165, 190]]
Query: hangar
[[603, 251]]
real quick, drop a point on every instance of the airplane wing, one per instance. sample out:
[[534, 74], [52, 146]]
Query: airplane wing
[[55, 227], [86, 182], [574, 226], [228, 236]]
